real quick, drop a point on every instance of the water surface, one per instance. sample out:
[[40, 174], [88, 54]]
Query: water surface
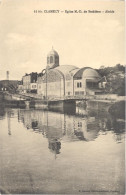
[[51, 152]]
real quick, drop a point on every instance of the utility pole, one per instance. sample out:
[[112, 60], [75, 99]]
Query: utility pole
[[47, 85]]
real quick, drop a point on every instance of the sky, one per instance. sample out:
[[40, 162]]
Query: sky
[[81, 39]]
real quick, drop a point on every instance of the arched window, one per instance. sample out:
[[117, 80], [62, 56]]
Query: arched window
[[57, 60], [51, 59]]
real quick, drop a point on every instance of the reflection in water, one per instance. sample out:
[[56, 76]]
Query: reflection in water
[[2, 112], [84, 125], [9, 125], [80, 127], [84, 146], [55, 146]]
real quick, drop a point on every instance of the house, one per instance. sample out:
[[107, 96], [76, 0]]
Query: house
[[30, 82]]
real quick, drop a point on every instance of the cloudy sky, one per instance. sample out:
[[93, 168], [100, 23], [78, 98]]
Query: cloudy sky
[[89, 39]]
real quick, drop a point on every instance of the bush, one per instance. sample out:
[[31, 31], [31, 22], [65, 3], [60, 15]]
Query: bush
[[118, 110]]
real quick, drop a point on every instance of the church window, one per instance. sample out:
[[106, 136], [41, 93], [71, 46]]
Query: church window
[[57, 60], [79, 85], [51, 59], [81, 92]]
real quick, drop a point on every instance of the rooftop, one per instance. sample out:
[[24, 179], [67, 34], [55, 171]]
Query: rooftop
[[53, 52]]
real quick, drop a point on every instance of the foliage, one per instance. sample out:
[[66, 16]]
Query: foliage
[[115, 82], [106, 71], [116, 86], [118, 110]]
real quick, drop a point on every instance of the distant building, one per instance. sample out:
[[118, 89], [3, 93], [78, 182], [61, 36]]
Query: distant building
[[66, 80], [20, 86], [102, 82], [9, 85], [30, 82]]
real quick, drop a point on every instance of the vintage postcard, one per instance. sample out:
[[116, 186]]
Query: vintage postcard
[[62, 97]]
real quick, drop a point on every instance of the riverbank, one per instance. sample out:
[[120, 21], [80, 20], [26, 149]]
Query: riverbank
[[100, 102]]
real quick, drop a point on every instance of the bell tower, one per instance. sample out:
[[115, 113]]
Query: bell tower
[[52, 59]]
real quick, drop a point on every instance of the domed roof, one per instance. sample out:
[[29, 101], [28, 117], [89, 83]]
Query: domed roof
[[53, 52], [86, 72], [90, 73], [66, 69]]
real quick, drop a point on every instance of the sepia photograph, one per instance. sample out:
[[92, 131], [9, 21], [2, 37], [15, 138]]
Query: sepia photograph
[[62, 97]]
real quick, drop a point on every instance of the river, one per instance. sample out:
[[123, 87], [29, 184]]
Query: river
[[49, 152]]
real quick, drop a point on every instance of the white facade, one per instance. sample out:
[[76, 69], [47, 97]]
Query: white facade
[[66, 80]]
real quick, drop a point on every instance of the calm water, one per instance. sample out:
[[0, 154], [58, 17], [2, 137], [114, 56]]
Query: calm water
[[51, 152]]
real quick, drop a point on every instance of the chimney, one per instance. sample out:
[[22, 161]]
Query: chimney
[[7, 75]]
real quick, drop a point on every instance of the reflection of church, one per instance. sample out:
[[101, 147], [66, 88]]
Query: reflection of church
[[56, 127], [66, 80], [55, 146]]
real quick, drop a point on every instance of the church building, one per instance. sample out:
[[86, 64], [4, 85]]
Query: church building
[[66, 80]]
